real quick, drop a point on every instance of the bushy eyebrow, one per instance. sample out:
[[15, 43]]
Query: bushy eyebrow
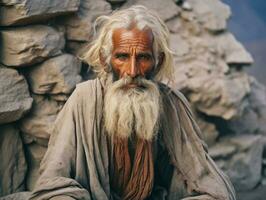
[[144, 54], [124, 51], [121, 54], [126, 54]]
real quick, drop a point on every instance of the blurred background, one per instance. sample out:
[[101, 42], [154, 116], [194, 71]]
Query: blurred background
[[219, 59], [248, 23]]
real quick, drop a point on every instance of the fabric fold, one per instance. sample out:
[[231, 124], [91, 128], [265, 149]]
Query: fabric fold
[[78, 159]]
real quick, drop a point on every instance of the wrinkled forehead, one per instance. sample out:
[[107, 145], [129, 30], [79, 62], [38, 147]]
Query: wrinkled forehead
[[123, 37]]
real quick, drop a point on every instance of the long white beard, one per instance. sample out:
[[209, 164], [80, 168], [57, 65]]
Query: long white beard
[[132, 110]]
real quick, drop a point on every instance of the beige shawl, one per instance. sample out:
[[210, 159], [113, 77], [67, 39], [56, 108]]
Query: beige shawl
[[77, 161]]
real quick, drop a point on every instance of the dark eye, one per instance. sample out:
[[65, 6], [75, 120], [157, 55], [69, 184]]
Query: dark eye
[[144, 56], [121, 56]]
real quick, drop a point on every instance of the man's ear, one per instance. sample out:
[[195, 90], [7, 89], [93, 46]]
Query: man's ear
[[160, 59], [160, 62]]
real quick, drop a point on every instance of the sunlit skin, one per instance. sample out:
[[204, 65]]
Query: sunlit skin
[[132, 53]]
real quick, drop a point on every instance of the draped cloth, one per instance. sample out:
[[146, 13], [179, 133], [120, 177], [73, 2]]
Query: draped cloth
[[77, 162], [132, 179]]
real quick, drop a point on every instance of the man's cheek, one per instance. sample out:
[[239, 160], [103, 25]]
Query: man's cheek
[[148, 73], [115, 73]]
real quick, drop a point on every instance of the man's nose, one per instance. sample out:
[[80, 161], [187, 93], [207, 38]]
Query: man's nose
[[133, 71]]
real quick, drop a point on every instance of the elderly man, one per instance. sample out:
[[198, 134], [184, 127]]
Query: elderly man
[[124, 135]]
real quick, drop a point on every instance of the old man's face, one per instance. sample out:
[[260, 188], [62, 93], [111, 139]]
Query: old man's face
[[132, 101], [132, 53]]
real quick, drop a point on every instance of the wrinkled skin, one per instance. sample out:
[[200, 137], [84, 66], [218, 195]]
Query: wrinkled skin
[[132, 53]]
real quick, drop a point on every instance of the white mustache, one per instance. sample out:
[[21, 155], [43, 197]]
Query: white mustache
[[140, 82]]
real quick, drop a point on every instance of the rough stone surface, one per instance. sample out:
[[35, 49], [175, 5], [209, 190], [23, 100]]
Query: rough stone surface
[[170, 9], [245, 164], [14, 12], [79, 27], [205, 61], [257, 100], [15, 99], [34, 155], [258, 193], [232, 50], [213, 94], [13, 166], [209, 131], [30, 45], [254, 116], [213, 14], [180, 46], [39, 122], [174, 25], [222, 150], [58, 75], [77, 48]]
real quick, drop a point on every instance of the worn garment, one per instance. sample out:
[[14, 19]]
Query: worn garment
[[77, 162], [132, 170]]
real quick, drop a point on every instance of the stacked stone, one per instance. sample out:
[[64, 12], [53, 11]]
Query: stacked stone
[[37, 75], [41, 41]]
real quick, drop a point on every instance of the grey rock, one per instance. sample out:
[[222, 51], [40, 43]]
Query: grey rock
[[213, 14], [15, 99], [166, 9], [34, 155], [222, 150], [209, 131], [263, 181], [14, 12], [257, 100], [186, 6], [258, 93], [264, 164], [77, 48], [245, 165], [30, 45], [212, 93], [79, 27], [252, 121], [58, 75], [39, 122], [232, 50], [13, 166], [175, 25], [179, 45], [247, 123]]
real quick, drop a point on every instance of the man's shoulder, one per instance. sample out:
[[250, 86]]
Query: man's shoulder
[[169, 91], [86, 85], [87, 88], [85, 91]]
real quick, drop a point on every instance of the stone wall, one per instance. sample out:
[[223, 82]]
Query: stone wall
[[41, 41]]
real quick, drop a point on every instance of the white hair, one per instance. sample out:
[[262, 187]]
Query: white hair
[[142, 18], [134, 110]]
